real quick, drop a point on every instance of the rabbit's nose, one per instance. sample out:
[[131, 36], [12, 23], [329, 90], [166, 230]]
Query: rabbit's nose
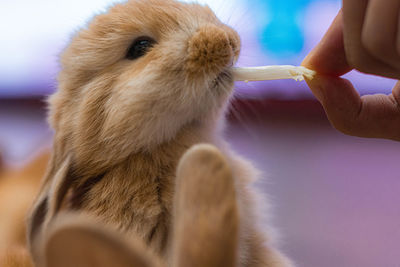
[[211, 49]]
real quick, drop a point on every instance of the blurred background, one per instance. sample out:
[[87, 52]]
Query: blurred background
[[336, 197]]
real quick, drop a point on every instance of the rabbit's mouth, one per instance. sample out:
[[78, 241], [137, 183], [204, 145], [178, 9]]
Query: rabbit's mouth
[[225, 78]]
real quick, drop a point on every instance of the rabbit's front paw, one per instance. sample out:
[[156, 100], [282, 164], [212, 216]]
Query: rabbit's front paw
[[206, 215]]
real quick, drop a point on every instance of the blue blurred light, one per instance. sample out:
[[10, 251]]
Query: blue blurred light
[[282, 36]]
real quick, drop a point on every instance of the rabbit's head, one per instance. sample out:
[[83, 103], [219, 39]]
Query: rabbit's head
[[137, 76]]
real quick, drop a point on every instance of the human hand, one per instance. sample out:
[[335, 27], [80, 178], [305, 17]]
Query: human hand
[[364, 37]]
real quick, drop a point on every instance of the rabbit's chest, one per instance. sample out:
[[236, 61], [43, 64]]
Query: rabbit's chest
[[139, 204]]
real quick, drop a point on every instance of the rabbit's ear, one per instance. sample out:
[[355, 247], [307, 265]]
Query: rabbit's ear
[[48, 203], [206, 215], [82, 244]]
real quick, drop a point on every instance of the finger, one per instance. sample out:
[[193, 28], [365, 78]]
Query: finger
[[329, 56], [375, 116], [379, 33], [398, 35], [339, 99], [396, 93], [357, 55]]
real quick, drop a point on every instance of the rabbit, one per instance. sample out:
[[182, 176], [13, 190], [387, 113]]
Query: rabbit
[[18, 188], [139, 87], [79, 240]]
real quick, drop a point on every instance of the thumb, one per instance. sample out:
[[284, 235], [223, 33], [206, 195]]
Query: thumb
[[375, 116], [339, 99]]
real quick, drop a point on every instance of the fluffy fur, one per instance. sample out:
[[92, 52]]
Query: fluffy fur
[[17, 192], [16, 256], [122, 126]]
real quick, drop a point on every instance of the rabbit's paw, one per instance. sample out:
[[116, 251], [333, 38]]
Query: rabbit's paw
[[80, 242], [206, 215]]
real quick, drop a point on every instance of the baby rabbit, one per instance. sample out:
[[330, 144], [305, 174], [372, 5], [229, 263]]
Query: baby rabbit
[[76, 240], [140, 86]]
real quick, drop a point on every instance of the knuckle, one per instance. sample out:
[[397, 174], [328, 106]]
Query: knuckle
[[344, 121], [377, 47], [344, 125], [361, 60], [356, 59], [387, 65]]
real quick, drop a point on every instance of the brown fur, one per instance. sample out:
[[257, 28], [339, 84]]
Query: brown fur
[[16, 256], [77, 240], [206, 214], [18, 188], [121, 126]]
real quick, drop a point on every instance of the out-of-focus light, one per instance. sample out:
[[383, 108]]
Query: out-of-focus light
[[33, 33], [272, 32]]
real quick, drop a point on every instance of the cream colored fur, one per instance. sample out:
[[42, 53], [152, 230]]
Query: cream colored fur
[[122, 126]]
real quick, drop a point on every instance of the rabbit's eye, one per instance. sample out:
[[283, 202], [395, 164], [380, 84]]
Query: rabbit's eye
[[139, 47]]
